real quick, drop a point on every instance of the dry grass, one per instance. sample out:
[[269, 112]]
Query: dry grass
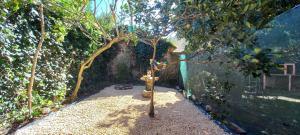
[[122, 112]]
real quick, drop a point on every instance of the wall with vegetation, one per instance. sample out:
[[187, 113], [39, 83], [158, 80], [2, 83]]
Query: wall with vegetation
[[63, 50]]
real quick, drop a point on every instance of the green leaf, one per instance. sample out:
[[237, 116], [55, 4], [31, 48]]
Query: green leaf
[[246, 8], [247, 57], [255, 60], [16, 6], [257, 50], [248, 24]]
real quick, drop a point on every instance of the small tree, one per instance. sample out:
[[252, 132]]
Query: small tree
[[35, 58], [153, 23]]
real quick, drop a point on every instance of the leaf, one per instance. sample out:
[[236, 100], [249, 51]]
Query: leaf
[[253, 6], [247, 57], [257, 50], [16, 6], [246, 8], [255, 60], [49, 102], [248, 24]]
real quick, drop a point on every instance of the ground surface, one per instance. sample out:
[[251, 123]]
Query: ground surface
[[122, 112]]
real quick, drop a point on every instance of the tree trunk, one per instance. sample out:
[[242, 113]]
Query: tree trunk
[[86, 64], [35, 58], [151, 112]]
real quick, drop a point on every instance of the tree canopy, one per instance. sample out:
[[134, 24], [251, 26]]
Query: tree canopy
[[209, 26]]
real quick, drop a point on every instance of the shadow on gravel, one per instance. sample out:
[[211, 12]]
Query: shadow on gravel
[[171, 118]]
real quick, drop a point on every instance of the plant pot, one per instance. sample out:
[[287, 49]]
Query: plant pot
[[146, 94]]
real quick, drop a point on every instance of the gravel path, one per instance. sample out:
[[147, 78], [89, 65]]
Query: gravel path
[[123, 112]]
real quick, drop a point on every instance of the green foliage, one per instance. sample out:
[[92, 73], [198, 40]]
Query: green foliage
[[123, 73], [283, 36], [214, 88], [211, 90], [64, 48], [71, 36], [256, 61], [230, 25], [19, 37], [154, 18], [144, 52], [213, 25]]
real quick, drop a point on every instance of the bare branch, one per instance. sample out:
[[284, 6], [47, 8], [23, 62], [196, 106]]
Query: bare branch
[[95, 7], [83, 6], [114, 19]]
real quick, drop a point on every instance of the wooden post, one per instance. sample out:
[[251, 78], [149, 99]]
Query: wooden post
[[264, 81], [294, 69], [285, 69], [290, 82]]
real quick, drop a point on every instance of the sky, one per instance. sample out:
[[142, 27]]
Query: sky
[[103, 5]]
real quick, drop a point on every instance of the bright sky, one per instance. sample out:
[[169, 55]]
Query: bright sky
[[103, 5]]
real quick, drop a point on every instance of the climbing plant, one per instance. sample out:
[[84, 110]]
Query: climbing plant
[[66, 44], [19, 33]]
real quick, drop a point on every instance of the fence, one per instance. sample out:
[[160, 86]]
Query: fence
[[229, 96]]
